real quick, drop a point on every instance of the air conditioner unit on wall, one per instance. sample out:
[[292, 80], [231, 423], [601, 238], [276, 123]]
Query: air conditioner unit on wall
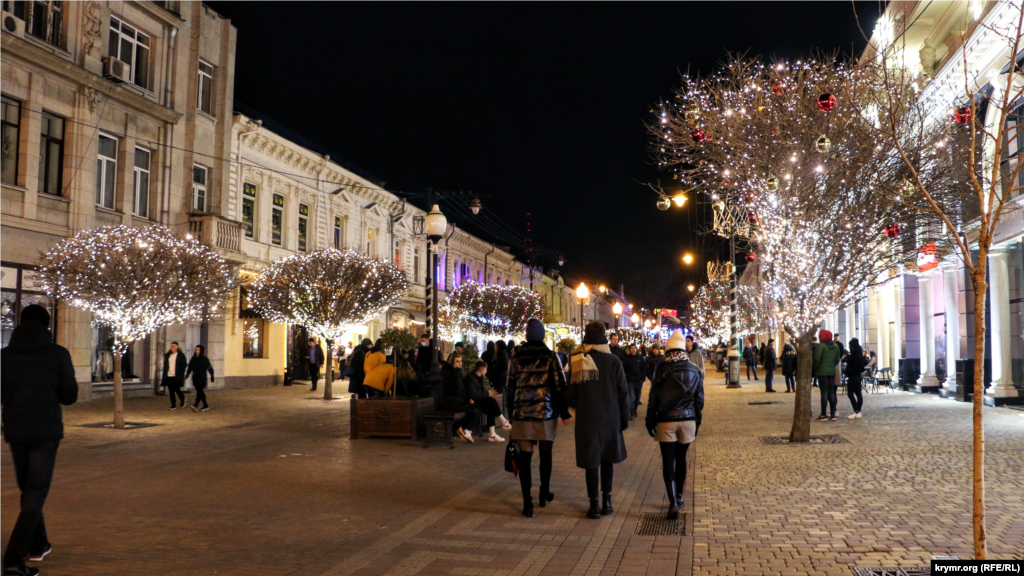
[[12, 24], [114, 69]]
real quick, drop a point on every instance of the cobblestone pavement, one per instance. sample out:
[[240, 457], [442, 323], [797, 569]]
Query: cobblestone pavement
[[268, 483]]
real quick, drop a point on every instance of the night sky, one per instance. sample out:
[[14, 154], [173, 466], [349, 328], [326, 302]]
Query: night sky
[[539, 106]]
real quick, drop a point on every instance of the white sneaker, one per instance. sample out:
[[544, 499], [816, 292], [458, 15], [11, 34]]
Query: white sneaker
[[859, 416], [466, 435], [505, 424], [495, 438], [853, 416]]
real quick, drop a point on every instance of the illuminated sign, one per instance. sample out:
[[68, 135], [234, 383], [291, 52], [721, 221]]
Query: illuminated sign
[[927, 257]]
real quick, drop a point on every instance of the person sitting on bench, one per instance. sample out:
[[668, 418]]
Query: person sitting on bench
[[455, 399], [486, 401]]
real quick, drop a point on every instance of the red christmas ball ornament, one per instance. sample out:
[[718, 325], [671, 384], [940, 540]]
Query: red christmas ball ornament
[[752, 218], [892, 230], [726, 183], [962, 115], [826, 102], [751, 256], [698, 135], [778, 88]]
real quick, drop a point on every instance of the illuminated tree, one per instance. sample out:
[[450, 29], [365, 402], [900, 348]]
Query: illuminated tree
[[134, 281], [629, 336], [974, 118], [327, 291], [491, 311], [793, 146], [710, 319]]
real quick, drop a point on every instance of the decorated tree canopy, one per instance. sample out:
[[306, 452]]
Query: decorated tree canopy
[[629, 336], [711, 315], [135, 280], [560, 331], [488, 310], [327, 291]]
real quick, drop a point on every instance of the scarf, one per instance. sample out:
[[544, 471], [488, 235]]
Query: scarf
[[581, 365], [675, 356]]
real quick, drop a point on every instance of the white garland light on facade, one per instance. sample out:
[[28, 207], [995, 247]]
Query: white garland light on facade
[[488, 310]]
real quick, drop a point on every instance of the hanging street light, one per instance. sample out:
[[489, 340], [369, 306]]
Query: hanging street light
[[679, 200], [475, 205], [688, 258]]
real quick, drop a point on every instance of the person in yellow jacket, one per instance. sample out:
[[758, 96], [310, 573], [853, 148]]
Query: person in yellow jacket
[[374, 358], [380, 379]]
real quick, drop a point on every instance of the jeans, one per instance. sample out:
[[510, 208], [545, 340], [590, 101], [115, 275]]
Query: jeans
[[175, 391], [827, 384], [768, 375], [33, 466], [314, 374], [791, 382], [636, 390], [853, 392], [751, 367]]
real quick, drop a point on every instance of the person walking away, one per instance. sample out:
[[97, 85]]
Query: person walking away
[[486, 401], [497, 373], [536, 382], [358, 361], [635, 368], [597, 390], [826, 358], [613, 345], [855, 365], [789, 366], [694, 354], [750, 358], [653, 359], [36, 377], [760, 354], [175, 365], [315, 358], [456, 399], [770, 364], [199, 366], [674, 407]]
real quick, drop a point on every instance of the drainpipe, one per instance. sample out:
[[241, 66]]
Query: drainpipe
[[485, 261], [165, 210], [391, 232]]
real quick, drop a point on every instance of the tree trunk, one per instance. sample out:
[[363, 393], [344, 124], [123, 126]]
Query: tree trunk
[[801, 431], [118, 392], [980, 289], [329, 377]]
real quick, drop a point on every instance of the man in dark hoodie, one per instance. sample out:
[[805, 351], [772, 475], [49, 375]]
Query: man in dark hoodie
[[36, 377], [355, 382]]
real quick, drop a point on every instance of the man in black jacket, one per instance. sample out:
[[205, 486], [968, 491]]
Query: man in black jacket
[[355, 382], [175, 365], [315, 359], [36, 377]]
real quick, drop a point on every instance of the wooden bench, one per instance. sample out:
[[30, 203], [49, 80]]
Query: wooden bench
[[440, 425]]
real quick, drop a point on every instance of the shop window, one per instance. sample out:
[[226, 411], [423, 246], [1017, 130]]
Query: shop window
[[249, 209], [20, 286], [10, 119], [51, 154], [253, 327]]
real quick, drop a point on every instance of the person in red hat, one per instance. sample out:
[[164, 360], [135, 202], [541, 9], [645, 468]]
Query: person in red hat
[[826, 358]]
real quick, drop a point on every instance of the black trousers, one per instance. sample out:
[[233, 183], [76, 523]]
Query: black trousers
[[673, 463], [827, 385], [526, 474], [314, 374], [489, 406], [768, 375], [201, 396], [174, 391], [853, 392], [606, 472], [636, 390], [33, 466], [471, 420]]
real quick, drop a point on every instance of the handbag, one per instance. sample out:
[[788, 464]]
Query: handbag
[[512, 458]]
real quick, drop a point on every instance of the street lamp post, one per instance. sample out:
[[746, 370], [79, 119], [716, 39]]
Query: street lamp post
[[617, 309], [435, 225], [635, 319], [734, 352], [582, 292]]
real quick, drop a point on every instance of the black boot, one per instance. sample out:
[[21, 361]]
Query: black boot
[[594, 512], [673, 500], [526, 481], [544, 497], [606, 508]]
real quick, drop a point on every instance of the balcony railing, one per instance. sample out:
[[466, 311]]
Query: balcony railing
[[216, 232]]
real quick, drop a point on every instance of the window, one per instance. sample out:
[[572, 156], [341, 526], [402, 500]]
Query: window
[[140, 183], [106, 171], [199, 174], [303, 214], [398, 255], [1013, 151], [205, 91], [10, 119], [131, 47], [44, 19], [249, 209], [337, 232], [252, 327], [275, 220], [416, 265], [51, 154]]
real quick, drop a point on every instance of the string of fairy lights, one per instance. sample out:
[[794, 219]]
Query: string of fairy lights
[[135, 280], [488, 310], [711, 313], [798, 148]]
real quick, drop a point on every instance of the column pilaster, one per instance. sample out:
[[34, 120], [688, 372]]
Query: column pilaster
[[926, 310], [999, 304]]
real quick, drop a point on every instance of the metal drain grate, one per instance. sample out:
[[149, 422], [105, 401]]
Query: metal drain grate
[[763, 403], [244, 425], [896, 408], [823, 439], [112, 444], [658, 525], [127, 425], [892, 571]]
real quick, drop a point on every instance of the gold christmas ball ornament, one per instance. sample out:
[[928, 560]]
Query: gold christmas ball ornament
[[692, 113], [719, 206], [823, 144], [772, 183], [907, 188], [664, 203]]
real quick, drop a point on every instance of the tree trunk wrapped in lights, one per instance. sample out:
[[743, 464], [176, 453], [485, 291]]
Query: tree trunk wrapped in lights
[[327, 291], [978, 125], [711, 311], [134, 281], [792, 145], [491, 311]]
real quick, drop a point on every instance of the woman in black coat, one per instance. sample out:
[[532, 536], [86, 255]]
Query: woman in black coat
[[198, 366], [597, 389], [856, 362], [175, 366], [789, 366]]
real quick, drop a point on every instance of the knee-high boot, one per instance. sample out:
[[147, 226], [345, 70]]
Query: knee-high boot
[[673, 503], [526, 481]]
